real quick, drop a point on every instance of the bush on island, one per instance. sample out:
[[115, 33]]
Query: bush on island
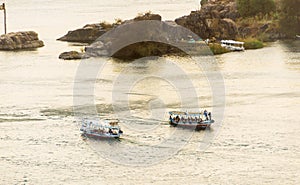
[[252, 43], [217, 49]]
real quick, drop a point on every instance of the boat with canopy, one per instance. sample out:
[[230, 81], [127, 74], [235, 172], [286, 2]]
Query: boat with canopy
[[108, 128], [194, 120]]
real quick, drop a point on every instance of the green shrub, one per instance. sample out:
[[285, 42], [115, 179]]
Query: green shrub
[[217, 48], [251, 43]]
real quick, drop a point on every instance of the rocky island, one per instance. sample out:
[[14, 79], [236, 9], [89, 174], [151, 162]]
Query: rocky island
[[20, 40], [217, 20]]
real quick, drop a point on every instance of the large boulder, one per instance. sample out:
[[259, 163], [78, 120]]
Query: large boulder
[[230, 11], [214, 20], [87, 34], [147, 38], [145, 35], [20, 40], [90, 32]]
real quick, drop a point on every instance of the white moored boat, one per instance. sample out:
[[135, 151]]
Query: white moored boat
[[196, 120], [101, 128], [233, 45]]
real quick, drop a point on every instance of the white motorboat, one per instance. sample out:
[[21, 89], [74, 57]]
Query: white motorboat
[[101, 128], [233, 45]]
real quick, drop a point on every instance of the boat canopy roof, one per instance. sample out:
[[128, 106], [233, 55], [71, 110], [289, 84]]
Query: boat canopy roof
[[231, 42], [102, 123], [179, 113]]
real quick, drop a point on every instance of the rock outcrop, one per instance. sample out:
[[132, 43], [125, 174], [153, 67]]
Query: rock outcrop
[[20, 40], [147, 38], [267, 32], [225, 9], [90, 32], [87, 34], [145, 35], [214, 20], [71, 55]]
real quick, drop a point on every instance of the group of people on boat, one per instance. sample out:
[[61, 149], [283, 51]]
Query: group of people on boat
[[207, 115], [191, 118], [96, 128], [105, 131]]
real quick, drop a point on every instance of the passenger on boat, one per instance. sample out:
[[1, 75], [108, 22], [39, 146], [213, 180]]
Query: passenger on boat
[[200, 120], [209, 115], [205, 114], [177, 119]]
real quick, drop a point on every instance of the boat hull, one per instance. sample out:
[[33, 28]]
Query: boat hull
[[192, 125], [100, 136]]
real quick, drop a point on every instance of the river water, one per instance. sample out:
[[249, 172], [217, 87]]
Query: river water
[[255, 142]]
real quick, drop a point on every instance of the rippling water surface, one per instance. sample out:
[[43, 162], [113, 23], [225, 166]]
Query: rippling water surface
[[256, 143]]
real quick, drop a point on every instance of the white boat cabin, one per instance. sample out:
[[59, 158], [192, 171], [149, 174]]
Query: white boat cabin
[[233, 45]]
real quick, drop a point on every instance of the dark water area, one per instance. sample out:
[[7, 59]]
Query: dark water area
[[256, 142]]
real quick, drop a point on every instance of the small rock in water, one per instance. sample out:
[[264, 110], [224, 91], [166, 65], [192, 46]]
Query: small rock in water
[[20, 40], [71, 55]]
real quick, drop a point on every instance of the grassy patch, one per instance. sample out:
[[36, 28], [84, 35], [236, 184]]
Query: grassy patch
[[252, 43], [217, 48]]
